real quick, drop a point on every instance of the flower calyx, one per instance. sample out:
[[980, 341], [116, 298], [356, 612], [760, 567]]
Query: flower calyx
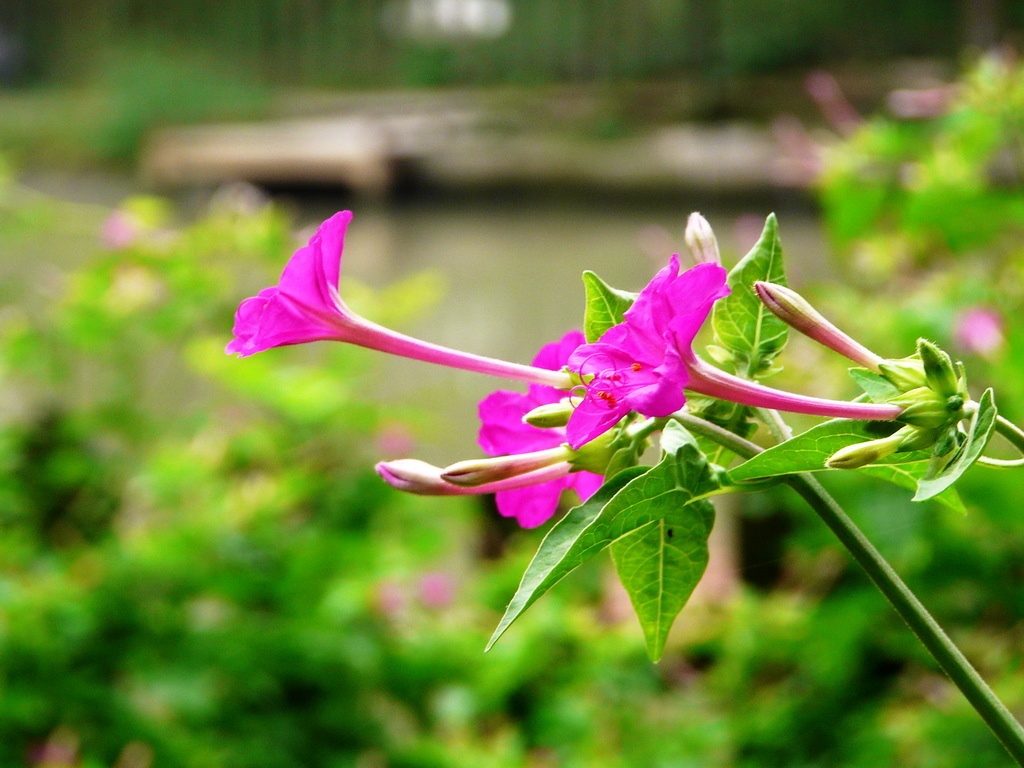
[[932, 390]]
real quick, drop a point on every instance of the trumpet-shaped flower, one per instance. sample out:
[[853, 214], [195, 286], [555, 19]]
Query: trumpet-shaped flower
[[644, 363], [306, 306], [641, 364]]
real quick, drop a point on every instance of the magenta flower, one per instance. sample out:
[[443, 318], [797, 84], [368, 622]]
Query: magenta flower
[[306, 306], [502, 432], [642, 363]]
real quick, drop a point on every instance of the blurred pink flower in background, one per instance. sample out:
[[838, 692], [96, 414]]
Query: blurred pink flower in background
[[389, 599], [119, 230], [979, 330], [437, 589], [394, 440]]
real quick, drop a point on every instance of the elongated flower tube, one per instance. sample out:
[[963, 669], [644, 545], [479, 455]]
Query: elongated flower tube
[[306, 306], [708, 380], [793, 309]]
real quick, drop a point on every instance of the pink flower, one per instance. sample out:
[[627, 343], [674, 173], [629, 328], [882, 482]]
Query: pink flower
[[437, 589], [503, 432], [306, 306], [641, 364], [980, 331], [119, 230]]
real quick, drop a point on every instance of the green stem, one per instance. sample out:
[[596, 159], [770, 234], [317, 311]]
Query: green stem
[[950, 659], [1014, 436], [1011, 432]]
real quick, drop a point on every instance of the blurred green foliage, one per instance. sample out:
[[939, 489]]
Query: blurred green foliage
[[910, 193], [199, 568]]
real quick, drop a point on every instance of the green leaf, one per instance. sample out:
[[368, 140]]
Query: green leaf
[[742, 324], [908, 476], [979, 430], [808, 451], [660, 563], [605, 306], [632, 500], [874, 385], [562, 550]]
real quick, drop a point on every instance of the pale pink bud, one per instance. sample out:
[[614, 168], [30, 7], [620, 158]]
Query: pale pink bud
[[793, 309], [700, 239]]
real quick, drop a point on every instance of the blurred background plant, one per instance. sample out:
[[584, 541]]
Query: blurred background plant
[[197, 565]]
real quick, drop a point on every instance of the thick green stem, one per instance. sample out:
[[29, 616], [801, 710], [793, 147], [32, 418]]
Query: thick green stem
[[995, 714]]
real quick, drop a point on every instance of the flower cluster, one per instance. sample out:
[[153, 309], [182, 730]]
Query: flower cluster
[[640, 366]]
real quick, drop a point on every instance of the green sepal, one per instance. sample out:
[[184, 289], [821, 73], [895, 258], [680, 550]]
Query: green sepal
[[947, 469]]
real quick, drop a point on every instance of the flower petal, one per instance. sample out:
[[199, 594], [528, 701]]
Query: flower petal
[[311, 275], [533, 505], [270, 320]]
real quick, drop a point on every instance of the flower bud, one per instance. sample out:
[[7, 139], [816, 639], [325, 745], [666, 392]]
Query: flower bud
[[700, 239], [475, 472], [862, 454], [793, 309], [916, 439], [904, 374], [550, 415], [413, 476], [907, 438], [938, 369]]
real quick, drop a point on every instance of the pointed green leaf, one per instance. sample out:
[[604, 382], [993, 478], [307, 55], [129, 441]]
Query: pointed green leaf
[[605, 306], [631, 500], [660, 563], [908, 476], [624, 458], [979, 430], [561, 551], [742, 324], [808, 451]]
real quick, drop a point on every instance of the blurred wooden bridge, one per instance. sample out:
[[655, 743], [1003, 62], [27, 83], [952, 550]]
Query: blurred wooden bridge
[[450, 141]]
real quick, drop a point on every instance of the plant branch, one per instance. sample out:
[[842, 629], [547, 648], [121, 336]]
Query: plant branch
[[995, 714]]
